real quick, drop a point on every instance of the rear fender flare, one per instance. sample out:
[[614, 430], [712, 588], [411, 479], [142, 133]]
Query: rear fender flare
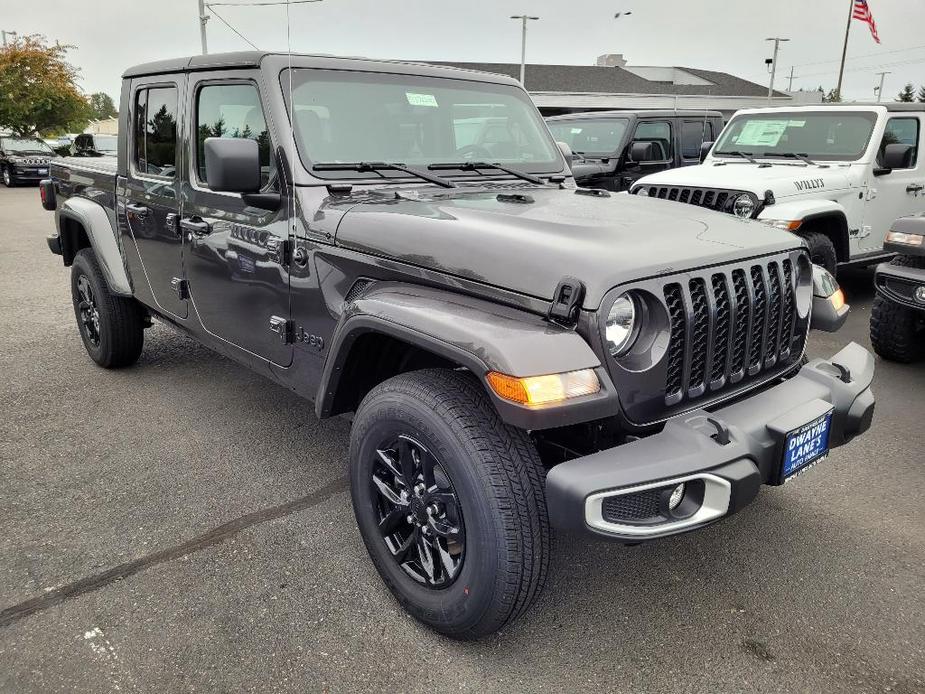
[[479, 336], [102, 236]]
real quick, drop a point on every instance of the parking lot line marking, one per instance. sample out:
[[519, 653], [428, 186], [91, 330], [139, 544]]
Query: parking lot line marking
[[209, 539]]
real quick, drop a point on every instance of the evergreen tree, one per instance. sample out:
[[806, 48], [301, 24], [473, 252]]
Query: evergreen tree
[[922, 93], [907, 94]]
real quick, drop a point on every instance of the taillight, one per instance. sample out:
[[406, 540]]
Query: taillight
[[47, 193]]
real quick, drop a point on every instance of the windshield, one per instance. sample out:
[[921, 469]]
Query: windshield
[[346, 117], [24, 145], [105, 143], [599, 137], [832, 135]]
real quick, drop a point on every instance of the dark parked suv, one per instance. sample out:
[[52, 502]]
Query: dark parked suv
[[614, 148], [23, 159], [517, 353]]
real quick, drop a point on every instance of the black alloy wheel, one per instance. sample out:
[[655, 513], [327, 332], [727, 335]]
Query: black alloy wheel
[[419, 514], [89, 313]]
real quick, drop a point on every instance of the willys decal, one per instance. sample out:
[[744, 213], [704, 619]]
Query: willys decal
[[809, 184]]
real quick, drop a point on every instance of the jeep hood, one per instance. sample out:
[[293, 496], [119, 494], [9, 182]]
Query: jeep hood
[[783, 180], [528, 246]]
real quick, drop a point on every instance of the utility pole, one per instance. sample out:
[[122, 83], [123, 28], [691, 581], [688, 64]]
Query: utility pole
[[844, 50], [203, 18], [5, 34], [880, 88], [777, 41], [790, 84], [523, 43]]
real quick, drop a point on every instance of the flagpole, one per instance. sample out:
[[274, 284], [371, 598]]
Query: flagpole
[[844, 51]]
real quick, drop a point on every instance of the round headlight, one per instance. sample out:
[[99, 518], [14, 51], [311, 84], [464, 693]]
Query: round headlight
[[743, 207], [644, 192], [620, 329]]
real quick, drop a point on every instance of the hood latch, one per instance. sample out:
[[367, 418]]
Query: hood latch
[[566, 302]]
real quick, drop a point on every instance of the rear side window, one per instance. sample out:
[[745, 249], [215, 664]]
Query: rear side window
[[902, 131], [232, 110], [693, 134], [658, 133], [155, 140]]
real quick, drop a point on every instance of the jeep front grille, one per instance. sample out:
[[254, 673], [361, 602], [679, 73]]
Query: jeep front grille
[[711, 198], [741, 327]]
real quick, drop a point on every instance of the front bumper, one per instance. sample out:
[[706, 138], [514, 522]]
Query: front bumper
[[726, 453], [898, 283]]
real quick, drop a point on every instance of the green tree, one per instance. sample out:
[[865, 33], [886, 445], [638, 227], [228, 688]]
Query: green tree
[[103, 106], [833, 97], [907, 93], [922, 93], [39, 88]]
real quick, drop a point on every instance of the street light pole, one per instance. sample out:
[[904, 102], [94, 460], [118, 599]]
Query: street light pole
[[777, 41], [523, 43], [203, 18], [7, 33], [880, 88]]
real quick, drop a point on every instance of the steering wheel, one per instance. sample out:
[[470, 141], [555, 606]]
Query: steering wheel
[[473, 152]]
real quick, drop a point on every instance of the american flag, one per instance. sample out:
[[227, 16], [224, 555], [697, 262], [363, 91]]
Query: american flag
[[862, 12]]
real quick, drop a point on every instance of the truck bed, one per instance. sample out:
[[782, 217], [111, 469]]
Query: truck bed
[[89, 177]]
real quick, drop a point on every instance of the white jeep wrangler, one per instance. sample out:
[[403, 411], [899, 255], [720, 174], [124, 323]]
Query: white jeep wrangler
[[836, 175]]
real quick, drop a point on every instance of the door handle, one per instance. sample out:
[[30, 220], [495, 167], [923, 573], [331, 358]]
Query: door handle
[[139, 211], [196, 225], [914, 187]]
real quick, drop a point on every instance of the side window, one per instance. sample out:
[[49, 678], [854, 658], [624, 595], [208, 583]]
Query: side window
[[657, 132], [155, 138], [903, 131], [693, 134], [232, 110]]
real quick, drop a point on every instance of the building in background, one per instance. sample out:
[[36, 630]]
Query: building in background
[[106, 126], [613, 84]]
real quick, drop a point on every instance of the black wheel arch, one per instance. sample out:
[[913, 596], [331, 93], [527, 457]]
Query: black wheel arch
[[834, 225], [73, 235]]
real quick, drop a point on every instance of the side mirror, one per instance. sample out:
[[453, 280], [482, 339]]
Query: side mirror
[[705, 148], [642, 152], [567, 153], [896, 156], [232, 164], [829, 308]]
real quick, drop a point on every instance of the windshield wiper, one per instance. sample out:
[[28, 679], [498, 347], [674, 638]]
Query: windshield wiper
[[737, 153], [378, 166], [476, 165], [793, 155]]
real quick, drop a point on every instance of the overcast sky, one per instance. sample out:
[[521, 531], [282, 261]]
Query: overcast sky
[[710, 34]]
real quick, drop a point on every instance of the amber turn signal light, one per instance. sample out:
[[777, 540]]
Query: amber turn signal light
[[837, 299], [544, 390]]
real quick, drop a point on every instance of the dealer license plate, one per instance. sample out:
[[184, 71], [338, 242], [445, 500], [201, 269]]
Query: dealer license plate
[[43, 171], [806, 445]]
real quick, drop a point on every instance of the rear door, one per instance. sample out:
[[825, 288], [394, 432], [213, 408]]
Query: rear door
[[237, 277], [149, 197], [900, 192], [693, 133]]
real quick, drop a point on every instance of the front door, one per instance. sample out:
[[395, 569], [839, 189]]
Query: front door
[[660, 135], [150, 192], [237, 276], [900, 192]]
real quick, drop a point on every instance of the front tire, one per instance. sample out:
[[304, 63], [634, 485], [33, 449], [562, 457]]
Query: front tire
[[111, 327], [8, 179], [449, 501], [821, 250]]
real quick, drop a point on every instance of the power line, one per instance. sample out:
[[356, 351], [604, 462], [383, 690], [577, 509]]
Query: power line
[[258, 4], [225, 22], [865, 68], [859, 57]]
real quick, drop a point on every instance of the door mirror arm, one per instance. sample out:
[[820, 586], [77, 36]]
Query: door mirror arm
[[881, 171], [263, 201]]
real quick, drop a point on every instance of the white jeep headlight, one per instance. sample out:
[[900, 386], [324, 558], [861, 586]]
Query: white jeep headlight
[[743, 206], [621, 327], [643, 191]]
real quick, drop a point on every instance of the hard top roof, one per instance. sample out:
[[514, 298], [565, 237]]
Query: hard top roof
[[253, 59], [641, 112]]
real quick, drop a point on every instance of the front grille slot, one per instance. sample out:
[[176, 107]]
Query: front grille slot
[[728, 325], [711, 198]]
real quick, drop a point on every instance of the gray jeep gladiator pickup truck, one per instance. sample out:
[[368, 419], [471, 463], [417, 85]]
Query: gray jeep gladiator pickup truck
[[518, 354]]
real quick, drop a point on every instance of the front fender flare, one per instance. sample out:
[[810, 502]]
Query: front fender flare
[[480, 336], [102, 237]]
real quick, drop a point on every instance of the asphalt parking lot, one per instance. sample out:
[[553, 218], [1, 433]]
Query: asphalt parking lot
[[183, 525]]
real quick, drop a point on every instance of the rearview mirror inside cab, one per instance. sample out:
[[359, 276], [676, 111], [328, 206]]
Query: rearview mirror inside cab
[[232, 164]]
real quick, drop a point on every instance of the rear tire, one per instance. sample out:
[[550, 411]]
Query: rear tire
[[490, 469], [897, 332], [821, 250], [111, 327]]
